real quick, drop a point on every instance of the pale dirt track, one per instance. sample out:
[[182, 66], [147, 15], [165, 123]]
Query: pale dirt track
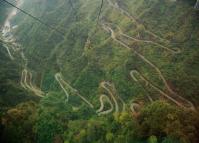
[[134, 107], [110, 88], [65, 86], [134, 19], [173, 51], [26, 77], [26, 83], [180, 101], [102, 99], [113, 35]]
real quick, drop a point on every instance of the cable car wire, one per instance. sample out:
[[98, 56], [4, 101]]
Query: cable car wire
[[100, 11], [35, 18]]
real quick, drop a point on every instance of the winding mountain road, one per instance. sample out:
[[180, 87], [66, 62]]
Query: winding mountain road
[[110, 88], [180, 101], [7, 36], [102, 99], [66, 87], [26, 76], [175, 98], [26, 83], [134, 19], [113, 35], [135, 107], [9, 42], [103, 85], [9, 53], [174, 51], [5, 45], [59, 80]]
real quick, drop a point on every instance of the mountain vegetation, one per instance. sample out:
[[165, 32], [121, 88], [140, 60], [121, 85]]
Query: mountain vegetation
[[76, 72]]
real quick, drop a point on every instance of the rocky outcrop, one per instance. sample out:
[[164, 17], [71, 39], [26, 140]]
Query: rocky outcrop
[[197, 5]]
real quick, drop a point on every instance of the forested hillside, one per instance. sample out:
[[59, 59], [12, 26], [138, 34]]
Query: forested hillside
[[92, 71], [11, 92]]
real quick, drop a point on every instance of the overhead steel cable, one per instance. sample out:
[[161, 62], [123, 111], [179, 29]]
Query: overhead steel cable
[[71, 4], [35, 18], [73, 9], [100, 11], [92, 35]]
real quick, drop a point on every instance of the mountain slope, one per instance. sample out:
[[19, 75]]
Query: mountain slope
[[139, 57], [164, 20]]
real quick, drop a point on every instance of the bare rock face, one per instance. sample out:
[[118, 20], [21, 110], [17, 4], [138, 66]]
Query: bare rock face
[[197, 5]]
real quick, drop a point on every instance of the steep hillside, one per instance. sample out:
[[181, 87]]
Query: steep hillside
[[163, 32], [139, 57], [11, 93]]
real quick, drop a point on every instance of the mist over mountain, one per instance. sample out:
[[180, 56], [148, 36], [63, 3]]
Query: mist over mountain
[[99, 71]]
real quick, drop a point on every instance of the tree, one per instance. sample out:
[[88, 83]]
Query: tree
[[19, 122], [170, 140], [162, 119], [152, 139], [109, 137], [52, 118], [47, 127]]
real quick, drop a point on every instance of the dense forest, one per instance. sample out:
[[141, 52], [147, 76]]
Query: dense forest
[[99, 71]]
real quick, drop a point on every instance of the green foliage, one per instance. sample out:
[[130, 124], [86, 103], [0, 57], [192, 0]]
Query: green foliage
[[170, 140], [18, 124], [11, 93], [109, 137], [53, 116], [47, 127], [48, 52], [90, 78], [161, 119], [152, 139], [84, 131]]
